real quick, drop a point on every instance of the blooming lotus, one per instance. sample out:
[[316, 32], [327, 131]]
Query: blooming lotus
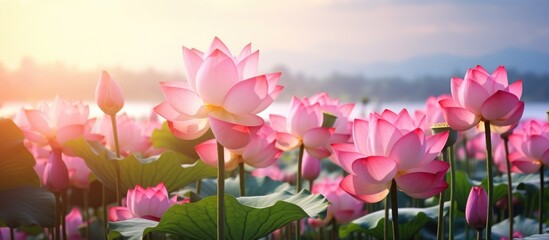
[[481, 96], [261, 152], [223, 92], [108, 95], [342, 112], [149, 203], [73, 222], [133, 136], [303, 126], [433, 112], [343, 208], [475, 210], [391, 146], [531, 142]]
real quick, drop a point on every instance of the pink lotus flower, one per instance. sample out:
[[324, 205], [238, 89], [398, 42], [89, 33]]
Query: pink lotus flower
[[73, 222], [275, 173], [531, 142], [56, 175], [342, 112], [261, 152], [57, 123], [475, 210], [149, 203], [344, 208], [481, 96], [222, 92], [108, 95], [303, 126], [133, 136], [79, 172], [391, 146], [433, 113], [5, 234]]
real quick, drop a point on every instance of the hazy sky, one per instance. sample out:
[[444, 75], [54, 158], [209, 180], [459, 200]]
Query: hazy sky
[[301, 34]]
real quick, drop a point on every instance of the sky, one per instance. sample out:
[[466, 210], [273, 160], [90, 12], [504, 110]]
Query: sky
[[305, 35]]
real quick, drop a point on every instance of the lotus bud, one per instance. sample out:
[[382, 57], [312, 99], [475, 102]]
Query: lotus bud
[[475, 210], [108, 95], [56, 175]]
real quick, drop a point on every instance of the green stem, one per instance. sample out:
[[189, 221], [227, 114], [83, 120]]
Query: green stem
[[440, 224], [386, 219], [452, 191], [335, 234], [311, 183], [117, 148], [394, 210], [104, 203], [541, 199], [490, 179], [298, 186], [242, 179], [198, 186], [64, 204], [479, 234], [509, 186], [220, 191]]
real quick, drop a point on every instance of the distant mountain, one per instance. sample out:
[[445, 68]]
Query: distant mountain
[[521, 60]]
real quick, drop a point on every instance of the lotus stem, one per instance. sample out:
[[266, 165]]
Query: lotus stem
[[394, 209], [440, 224], [490, 179], [117, 148], [386, 220], [298, 186], [335, 234], [479, 234], [198, 186], [64, 204], [220, 191], [242, 179], [541, 199], [509, 185], [450, 156]]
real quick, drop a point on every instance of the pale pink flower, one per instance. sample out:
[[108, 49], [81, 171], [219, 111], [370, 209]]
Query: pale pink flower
[[274, 172], [222, 92], [73, 222], [531, 142], [303, 126], [343, 208], [391, 146], [342, 112], [79, 172], [261, 152], [149, 203], [108, 95], [481, 96], [133, 136]]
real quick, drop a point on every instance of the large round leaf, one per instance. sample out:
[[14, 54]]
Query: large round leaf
[[166, 168], [247, 217], [254, 186], [24, 206], [163, 138]]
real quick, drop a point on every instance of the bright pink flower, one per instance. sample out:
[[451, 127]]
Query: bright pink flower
[[303, 126], [133, 135], [531, 142], [261, 152], [73, 222], [433, 113], [149, 203], [56, 175], [391, 146], [57, 123], [311, 167], [222, 92], [481, 96], [344, 207], [475, 210], [342, 112], [108, 95]]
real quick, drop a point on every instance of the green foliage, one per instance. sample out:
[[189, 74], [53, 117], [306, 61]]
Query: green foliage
[[254, 186], [166, 168], [163, 138], [247, 217]]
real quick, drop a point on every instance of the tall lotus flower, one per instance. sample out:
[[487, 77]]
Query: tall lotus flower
[[108, 95], [475, 210], [344, 208], [303, 126], [222, 92], [342, 112], [57, 123], [56, 175], [149, 203], [481, 96], [73, 222], [531, 142], [261, 152], [391, 146]]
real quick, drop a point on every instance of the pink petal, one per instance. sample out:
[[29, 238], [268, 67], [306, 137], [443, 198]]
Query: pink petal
[[432, 166], [455, 85], [286, 141], [303, 118], [408, 151], [207, 151], [192, 60], [500, 76], [317, 137], [215, 77], [247, 50], [268, 100], [218, 45], [512, 118], [318, 152], [345, 154], [516, 88], [182, 99], [473, 95], [422, 184], [165, 110], [189, 129], [404, 121], [459, 119], [527, 166], [375, 169], [69, 133], [246, 95], [119, 214], [364, 191], [360, 135], [536, 146], [230, 135], [382, 136], [499, 105], [247, 67], [434, 145], [39, 122], [278, 123]]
